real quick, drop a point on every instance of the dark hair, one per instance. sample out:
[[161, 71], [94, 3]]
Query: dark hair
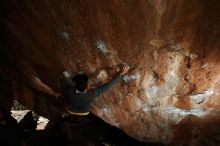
[[81, 81]]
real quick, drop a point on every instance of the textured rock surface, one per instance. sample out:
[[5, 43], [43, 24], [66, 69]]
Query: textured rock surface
[[171, 94]]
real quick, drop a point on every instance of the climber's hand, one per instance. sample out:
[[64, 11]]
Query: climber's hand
[[124, 69], [66, 74]]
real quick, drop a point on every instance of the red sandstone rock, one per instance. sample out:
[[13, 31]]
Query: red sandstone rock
[[172, 47]]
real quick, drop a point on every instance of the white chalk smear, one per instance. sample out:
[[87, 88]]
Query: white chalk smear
[[127, 78], [146, 108], [182, 112], [36, 78], [65, 35], [102, 75], [116, 124], [193, 56], [200, 97], [205, 66], [177, 47], [105, 111], [99, 44], [152, 91]]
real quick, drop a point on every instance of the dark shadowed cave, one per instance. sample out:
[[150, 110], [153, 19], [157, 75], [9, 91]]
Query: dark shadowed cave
[[170, 96]]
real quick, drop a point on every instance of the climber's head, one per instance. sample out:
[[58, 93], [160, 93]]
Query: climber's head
[[81, 82]]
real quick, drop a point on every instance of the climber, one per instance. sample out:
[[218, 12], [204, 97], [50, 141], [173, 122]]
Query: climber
[[80, 96]]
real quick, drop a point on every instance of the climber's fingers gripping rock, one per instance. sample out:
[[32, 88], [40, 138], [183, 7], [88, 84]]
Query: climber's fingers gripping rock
[[124, 69]]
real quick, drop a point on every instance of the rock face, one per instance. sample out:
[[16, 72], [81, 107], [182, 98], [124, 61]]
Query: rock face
[[171, 94]]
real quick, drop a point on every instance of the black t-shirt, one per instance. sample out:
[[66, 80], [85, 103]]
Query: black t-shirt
[[80, 102]]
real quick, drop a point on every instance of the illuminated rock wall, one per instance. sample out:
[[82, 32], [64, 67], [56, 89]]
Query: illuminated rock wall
[[170, 94]]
